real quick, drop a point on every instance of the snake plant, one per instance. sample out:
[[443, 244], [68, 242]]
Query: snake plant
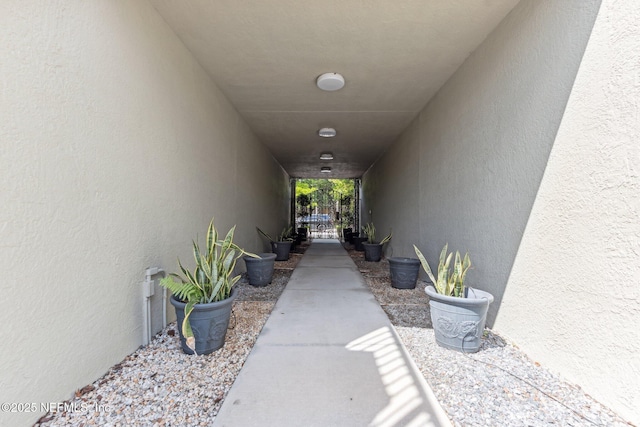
[[447, 283], [284, 235], [370, 231], [212, 279]]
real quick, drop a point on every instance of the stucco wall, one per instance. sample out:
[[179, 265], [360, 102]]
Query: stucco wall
[[528, 159], [577, 273], [117, 149]]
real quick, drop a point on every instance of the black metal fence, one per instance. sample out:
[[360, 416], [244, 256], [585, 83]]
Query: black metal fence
[[325, 212]]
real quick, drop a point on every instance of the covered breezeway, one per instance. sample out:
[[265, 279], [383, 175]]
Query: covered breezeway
[[505, 128]]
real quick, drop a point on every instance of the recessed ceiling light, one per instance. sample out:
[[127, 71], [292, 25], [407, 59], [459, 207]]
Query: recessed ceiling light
[[326, 156], [325, 169], [327, 132], [330, 82]]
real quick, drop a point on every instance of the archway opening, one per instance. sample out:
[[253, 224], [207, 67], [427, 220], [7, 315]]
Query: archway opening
[[325, 206]]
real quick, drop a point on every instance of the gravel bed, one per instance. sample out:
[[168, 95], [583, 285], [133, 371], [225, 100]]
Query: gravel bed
[[497, 386], [158, 385]]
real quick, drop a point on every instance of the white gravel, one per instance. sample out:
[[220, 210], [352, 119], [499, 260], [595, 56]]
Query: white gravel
[[158, 385], [508, 389]]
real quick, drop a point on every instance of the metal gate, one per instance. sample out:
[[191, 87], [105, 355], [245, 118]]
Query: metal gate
[[326, 211]]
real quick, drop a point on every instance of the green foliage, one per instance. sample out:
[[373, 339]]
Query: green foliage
[[303, 200], [265, 235], [447, 283], [344, 187], [212, 279], [284, 235], [369, 230], [347, 217], [305, 187]]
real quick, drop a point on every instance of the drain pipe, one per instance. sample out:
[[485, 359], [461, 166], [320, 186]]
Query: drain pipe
[[149, 290]]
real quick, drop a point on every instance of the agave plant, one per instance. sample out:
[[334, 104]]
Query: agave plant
[[370, 231], [447, 283], [212, 279]]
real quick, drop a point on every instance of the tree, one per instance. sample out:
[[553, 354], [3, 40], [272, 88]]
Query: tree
[[335, 193]]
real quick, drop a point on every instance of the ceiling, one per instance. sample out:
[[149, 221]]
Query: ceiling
[[265, 56]]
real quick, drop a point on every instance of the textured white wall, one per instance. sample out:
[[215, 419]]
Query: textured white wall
[[577, 273], [528, 159], [391, 192], [117, 149]]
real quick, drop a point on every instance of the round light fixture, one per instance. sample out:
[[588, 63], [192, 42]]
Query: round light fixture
[[326, 156], [327, 132], [330, 82], [325, 169]]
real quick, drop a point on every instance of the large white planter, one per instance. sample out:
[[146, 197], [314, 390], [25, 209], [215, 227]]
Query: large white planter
[[458, 323]]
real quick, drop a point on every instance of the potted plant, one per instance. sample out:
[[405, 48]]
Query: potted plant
[[458, 312], [282, 246], [304, 201], [203, 299], [404, 272], [260, 269], [357, 240], [373, 249], [346, 233]]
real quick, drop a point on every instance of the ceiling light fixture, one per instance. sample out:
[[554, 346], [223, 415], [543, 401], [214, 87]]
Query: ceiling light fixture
[[327, 132], [326, 156], [325, 169], [330, 82]]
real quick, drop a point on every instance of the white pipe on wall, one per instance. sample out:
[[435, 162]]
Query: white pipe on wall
[[149, 290]]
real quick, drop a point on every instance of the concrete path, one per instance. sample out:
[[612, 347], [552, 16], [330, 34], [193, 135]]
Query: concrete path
[[328, 356]]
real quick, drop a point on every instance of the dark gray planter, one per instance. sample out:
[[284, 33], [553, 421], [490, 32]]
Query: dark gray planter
[[281, 249], [458, 323], [353, 236], [302, 232], [209, 323], [260, 270], [372, 252], [404, 272], [358, 241], [346, 233]]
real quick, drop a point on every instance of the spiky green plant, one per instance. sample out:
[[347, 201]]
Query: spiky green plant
[[212, 279], [268, 237], [448, 283], [369, 230], [284, 235]]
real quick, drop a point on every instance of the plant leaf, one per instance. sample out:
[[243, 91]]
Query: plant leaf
[[187, 332], [265, 234], [425, 265]]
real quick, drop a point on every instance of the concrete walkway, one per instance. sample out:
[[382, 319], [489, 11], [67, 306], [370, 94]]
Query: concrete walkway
[[328, 356]]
